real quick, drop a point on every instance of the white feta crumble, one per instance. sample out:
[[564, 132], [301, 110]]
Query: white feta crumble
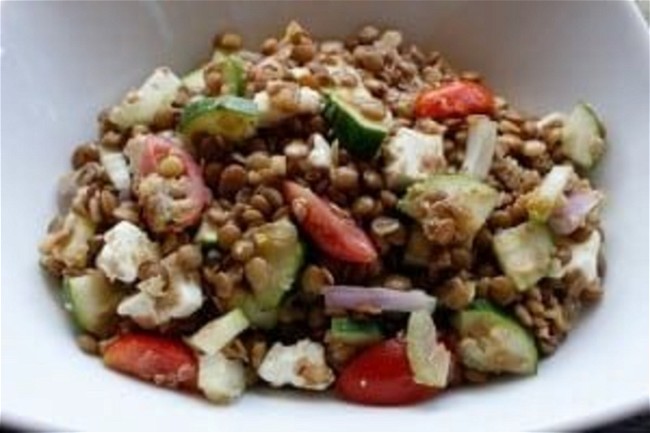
[[126, 247], [413, 156], [301, 365]]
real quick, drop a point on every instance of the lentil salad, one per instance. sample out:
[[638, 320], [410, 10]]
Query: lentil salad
[[326, 214]]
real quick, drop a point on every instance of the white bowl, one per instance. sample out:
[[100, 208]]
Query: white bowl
[[62, 62]]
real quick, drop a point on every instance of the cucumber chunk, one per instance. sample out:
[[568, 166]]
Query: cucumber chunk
[[491, 341], [357, 133], [218, 333], [353, 332], [92, 301], [278, 243], [475, 198], [583, 136], [231, 117], [525, 253]]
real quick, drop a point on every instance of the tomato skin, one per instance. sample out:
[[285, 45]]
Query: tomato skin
[[381, 375], [455, 99], [164, 361], [336, 235], [156, 149]]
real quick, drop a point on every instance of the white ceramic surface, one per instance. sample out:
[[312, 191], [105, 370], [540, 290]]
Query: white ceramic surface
[[63, 62]]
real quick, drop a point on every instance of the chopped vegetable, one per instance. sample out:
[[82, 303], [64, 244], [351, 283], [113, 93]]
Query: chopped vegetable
[[583, 136], [472, 200], [92, 301], [232, 71], [574, 212], [430, 360], [258, 316], [354, 332], [278, 244], [216, 334], [525, 253], [412, 155], [357, 132], [455, 99], [195, 80], [334, 234], [165, 169], [381, 375], [377, 298], [140, 106], [228, 116], [491, 341], [584, 257], [549, 194], [207, 234], [221, 379], [481, 144], [164, 361]]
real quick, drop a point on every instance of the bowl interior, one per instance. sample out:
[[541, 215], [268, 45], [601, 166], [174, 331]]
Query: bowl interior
[[63, 62]]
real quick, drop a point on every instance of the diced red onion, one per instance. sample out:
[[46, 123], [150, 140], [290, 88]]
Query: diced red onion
[[570, 216], [355, 297]]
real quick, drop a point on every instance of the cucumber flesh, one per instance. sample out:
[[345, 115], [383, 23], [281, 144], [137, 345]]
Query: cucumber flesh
[[92, 301], [583, 136], [358, 134], [278, 243], [218, 333], [140, 106], [231, 117], [525, 253], [491, 341], [207, 235], [195, 80], [475, 197], [430, 361], [545, 198], [258, 316], [354, 332]]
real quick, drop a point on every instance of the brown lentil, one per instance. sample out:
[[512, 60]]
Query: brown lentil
[[314, 278], [363, 206], [398, 282], [190, 257], [227, 235], [85, 154], [303, 53], [233, 178], [345, 178], [230, 41], [269, 46], [88, 344]]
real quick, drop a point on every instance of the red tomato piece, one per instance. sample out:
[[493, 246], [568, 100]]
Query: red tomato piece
[[164, 361], [456, 99], [381, 375], [156, 149], [331, 232]]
